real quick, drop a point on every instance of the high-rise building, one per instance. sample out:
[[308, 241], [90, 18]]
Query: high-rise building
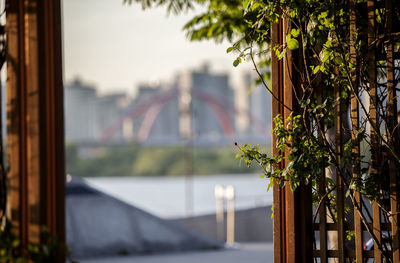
[[259, 108], [110, 110], [212, 104], [254, 111], [80, 112], [89, 116]]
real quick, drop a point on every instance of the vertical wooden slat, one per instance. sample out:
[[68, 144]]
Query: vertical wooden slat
[[52, 140], [13, 101], [291, 250], [392, 129], [377, 230], [374, 120], [355, 126], [278, 201], [322, 191], [299, 233], [304, 231], [322, 224], [282, 192], [32, 119], [339, 179], [22, 132]]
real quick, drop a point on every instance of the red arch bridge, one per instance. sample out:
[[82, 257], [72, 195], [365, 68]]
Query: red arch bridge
[[150, 108]]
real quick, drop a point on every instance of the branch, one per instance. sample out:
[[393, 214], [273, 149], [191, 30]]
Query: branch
[[263, 81], [320, 202]]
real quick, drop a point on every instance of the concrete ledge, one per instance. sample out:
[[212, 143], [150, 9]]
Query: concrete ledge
[[251, 225]]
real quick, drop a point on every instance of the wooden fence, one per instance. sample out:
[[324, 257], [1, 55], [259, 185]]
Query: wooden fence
[[298, 237]]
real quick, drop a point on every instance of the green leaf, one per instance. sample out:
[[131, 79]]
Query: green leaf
[[322, 68], [295, 32], [270, 184], [277, 52], [229, 49], [316, 69], [245, 4], [236, 62], [338, 60], [326, 55], [282, 54], [293, 44], [322, 15], [255, 5], [328, 44]]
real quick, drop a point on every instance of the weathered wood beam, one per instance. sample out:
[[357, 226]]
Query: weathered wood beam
[[35, 141]]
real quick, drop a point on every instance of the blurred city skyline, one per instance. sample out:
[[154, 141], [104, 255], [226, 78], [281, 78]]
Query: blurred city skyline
[[156, 113]]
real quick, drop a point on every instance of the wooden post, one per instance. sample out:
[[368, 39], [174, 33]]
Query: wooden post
[[323, 233], [355, 119], [373, 115], [35, 119], [293, 234]]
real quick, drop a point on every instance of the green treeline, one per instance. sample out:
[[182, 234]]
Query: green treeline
[[135, 160]]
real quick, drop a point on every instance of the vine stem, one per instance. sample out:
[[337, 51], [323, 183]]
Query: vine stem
[[320, 202], [351, 85], [370, 231], [263, 81]]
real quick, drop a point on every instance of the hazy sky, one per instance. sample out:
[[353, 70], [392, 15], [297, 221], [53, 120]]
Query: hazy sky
[[117, 46]]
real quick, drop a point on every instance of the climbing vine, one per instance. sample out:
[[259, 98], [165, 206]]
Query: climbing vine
[[334, 51]]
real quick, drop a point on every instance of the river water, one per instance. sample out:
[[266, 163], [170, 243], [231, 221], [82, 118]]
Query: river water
[[165, 196]]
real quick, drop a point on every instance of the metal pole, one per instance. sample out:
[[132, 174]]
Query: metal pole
[[186, 132], [230, 216]]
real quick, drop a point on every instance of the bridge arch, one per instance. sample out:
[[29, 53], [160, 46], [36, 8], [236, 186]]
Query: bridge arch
[[150, 108]]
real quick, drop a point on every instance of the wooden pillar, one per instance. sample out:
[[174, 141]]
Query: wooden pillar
[[35, 119], [293, 234]]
